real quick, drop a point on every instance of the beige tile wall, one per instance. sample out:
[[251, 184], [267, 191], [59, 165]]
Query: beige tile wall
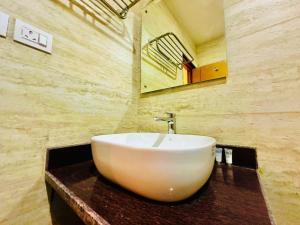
[[87, 86], [258, 105]]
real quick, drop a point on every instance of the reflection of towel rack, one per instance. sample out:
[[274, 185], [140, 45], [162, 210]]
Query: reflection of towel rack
[[119, 7], [172, 49], [168, 67]]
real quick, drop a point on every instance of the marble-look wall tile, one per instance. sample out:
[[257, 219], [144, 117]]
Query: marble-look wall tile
[[87, 86]]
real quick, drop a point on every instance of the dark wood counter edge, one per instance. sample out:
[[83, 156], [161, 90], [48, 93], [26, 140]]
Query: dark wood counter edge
[[242, 156], [88, 215], [80, 152], [271, 216]]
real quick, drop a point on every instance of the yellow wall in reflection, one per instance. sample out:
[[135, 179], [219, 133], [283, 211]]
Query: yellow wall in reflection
[[211, 52]]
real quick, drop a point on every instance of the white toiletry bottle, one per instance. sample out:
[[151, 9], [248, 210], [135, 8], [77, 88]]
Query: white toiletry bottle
[[228, 156], [219, 155]]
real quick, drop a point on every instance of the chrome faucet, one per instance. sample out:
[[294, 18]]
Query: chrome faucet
[[170, 119]]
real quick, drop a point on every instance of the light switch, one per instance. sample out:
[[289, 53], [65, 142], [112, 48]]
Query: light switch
[[3, 24], [43, 40], [32, 36]]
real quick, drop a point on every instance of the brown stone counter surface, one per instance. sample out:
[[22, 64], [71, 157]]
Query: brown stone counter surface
[[232, 196]]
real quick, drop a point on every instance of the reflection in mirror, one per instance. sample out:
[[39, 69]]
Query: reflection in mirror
[[183, 42]]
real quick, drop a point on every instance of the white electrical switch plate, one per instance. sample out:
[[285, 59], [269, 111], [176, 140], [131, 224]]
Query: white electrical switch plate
[[43, 40], [32, 36], [3, 24]]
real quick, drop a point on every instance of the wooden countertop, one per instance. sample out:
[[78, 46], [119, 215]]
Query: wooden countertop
[[231, 196]]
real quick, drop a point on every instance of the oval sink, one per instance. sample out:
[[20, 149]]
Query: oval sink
[[164, 167]]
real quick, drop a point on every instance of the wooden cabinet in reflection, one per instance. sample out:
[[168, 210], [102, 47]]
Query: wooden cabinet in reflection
[[209, 72]]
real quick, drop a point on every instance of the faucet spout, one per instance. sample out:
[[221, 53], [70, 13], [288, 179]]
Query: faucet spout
[[170, 119], [161, 118]]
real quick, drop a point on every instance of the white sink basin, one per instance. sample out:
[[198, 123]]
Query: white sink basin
[[164, 167]]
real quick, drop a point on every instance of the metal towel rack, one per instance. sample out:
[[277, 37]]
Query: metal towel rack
[[119, 7], [172, 49]]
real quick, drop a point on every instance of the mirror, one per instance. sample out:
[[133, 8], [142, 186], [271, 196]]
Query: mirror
[[183, 42]]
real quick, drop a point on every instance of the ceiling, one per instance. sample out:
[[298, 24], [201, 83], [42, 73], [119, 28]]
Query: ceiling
[[203, 20]]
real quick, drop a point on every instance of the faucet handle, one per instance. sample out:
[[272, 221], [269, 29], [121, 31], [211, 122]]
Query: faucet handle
[[171, 115]]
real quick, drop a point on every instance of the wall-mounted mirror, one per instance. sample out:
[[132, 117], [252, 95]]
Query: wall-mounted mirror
[[183, 42]]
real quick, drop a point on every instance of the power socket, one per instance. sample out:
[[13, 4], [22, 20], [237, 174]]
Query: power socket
[[30, 35], [33, 36]]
